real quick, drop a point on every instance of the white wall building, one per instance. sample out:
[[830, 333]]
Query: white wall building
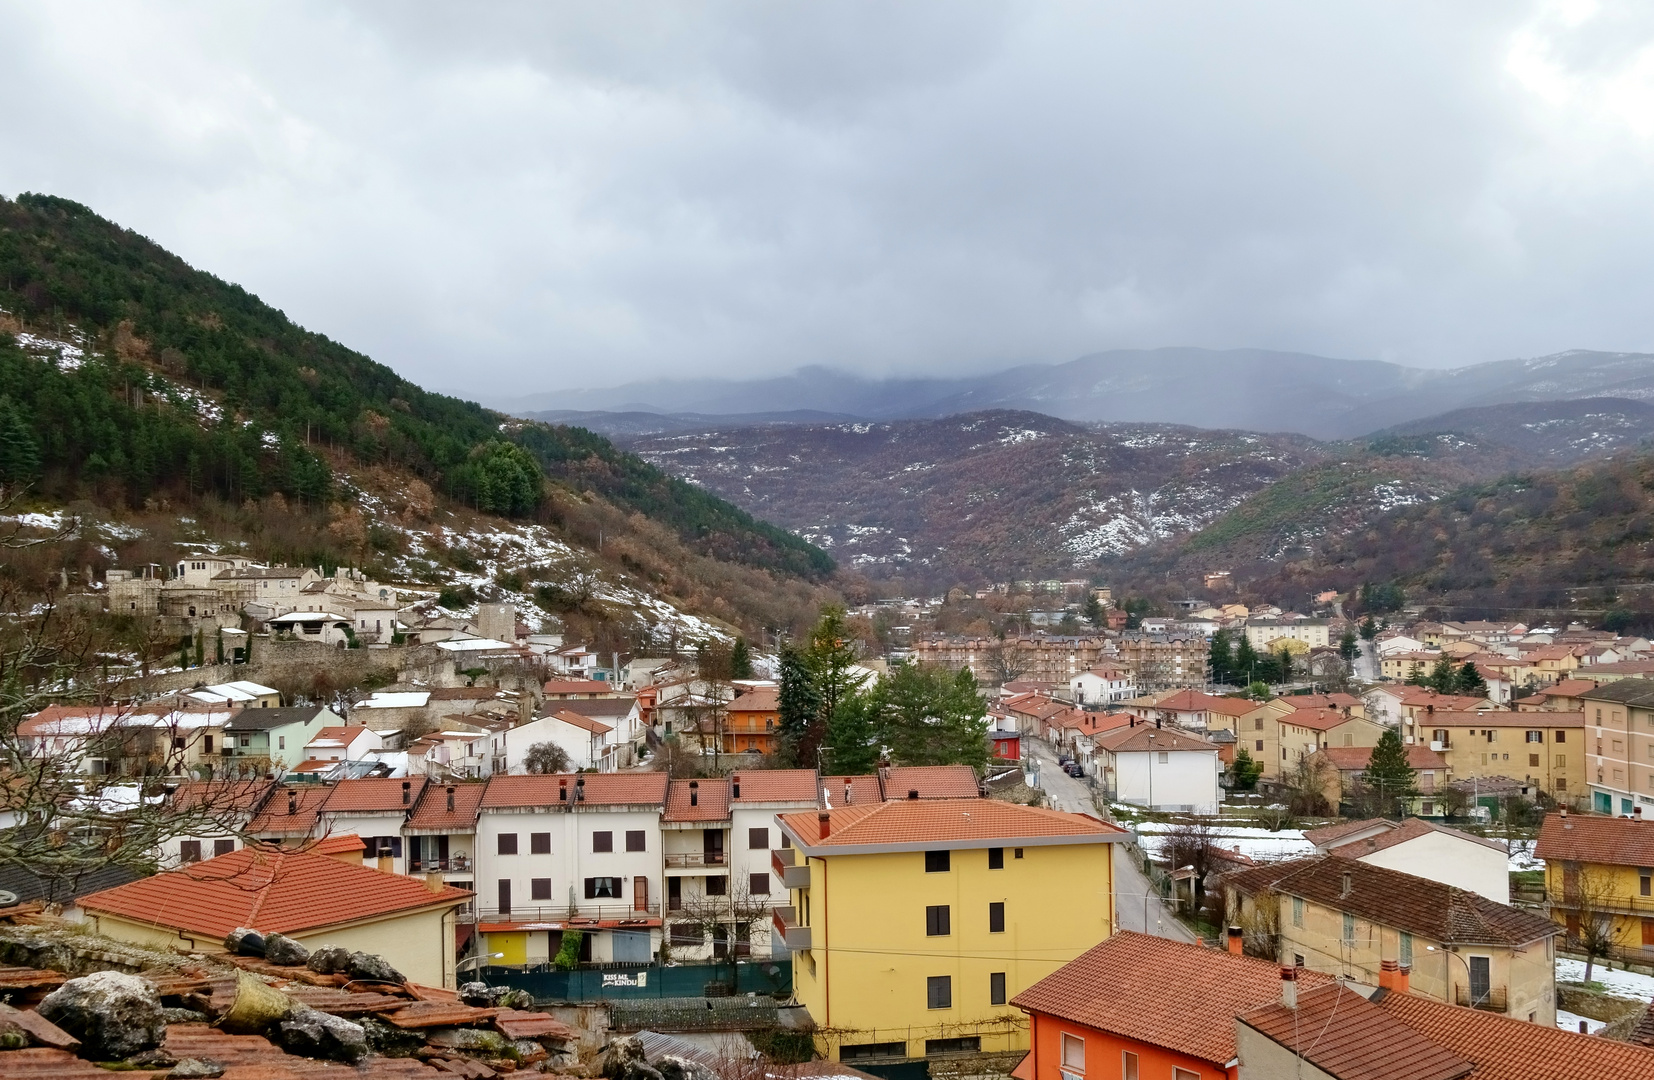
[[1160, 768], [1102, 686], [1423, 849]]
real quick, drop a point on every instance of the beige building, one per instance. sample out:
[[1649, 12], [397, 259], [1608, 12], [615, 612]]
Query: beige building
[[1619, 745], [1263, 633], [1289, 737], [1546, 749], [1035, 658], [1345, 918]]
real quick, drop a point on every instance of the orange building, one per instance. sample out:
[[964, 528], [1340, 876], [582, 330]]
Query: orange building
[[752, 722]]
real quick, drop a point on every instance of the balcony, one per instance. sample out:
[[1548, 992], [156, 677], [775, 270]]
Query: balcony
[[458, 864], [1490, 999], [575, 916], [793, 873], [697, 860], [794, 936]]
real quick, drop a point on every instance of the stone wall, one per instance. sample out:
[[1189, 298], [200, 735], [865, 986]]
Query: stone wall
[[294, 666]]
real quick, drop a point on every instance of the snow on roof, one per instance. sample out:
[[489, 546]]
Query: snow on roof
[[401, 699], [240, 690], [309, 617], [480, 644]]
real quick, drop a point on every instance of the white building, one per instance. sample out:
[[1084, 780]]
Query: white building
[[1424, 849], [589, 742], [1160, 768], [1261, 633], [1103, 685]]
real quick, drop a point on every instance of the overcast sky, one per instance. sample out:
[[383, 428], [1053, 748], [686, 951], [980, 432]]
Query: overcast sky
[[504, 199]]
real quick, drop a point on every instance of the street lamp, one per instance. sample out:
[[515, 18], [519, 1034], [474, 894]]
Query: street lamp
[[477, 960], [1470, 979]]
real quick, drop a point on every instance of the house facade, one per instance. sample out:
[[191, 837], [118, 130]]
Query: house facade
[[1601, 868]]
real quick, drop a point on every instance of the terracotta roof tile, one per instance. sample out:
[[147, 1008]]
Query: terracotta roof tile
[[341, 735], [601, 789], [1141, 739], [1507, 1049], [1501, 718], [1105, 988], [1428, 909], [711, 797], [218, 796], [1227, 706], [1322, 719], [762, 700], [303, 799], [776, 785], [584, 723], [619, 705], [1411, 829], [373, 794], [864, 790], [267, 889], [1567, 688], [942, 821], [1596, 838], [432, 810], [930, 781], [1345, 1035]]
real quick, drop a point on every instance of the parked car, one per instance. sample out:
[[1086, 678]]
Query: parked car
[[1073, 768]]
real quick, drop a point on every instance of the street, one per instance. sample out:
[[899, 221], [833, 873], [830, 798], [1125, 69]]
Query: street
[[1136, 905]]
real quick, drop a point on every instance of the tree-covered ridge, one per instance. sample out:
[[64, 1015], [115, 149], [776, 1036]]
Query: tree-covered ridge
[[287, 397]]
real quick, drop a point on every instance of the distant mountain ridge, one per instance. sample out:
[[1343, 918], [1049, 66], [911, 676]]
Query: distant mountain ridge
[[1245, 389]]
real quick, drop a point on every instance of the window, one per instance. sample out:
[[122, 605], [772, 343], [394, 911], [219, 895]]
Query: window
[[787, 842], [506, 843], [634, 840], [758, 839], [603, 841], [1407, 950], [968, 1044], [224, 847], [1645, 881], [685, 933], [1297, 911], [869, 1051], [758, 884], [505, 896], [717, 886], [1533, 761], [539, 843], [1298, 959], [608, 888], [1184, 1074], [1128, 1065], [189, 851], [1073, 1053], [1536, 736], [1349, 929], [1259, 745], [1165, 757], [996, 858], [996, 981], [1017, 854], [939, 992], [1257, 723], [539, 888], [936, 862], [996, 917], [281, 741], [1427, 808], [1561, 736], [246, 740], [938, 921]]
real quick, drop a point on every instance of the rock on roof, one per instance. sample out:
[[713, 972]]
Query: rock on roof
[[1425, 908], [917, 824], [270, 889], [1343, 1034], [1169, 994], [1596, 838]]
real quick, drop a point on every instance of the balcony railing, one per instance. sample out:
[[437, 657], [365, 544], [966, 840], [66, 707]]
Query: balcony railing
[[1492, 999], [460, 864], [792, 935], [793, 873], [696, 859], [563, 913]]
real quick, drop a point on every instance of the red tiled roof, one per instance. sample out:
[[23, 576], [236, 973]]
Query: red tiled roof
[[1504, 1048], [1200, 992], [221, 796], [1429, 909], [1355, 758], [1319, 701], [274, 820], [338, 845], [267, 889], [1344, 1035], [1228, 706], [864, 790], [341, 735], [930, 781], [373, 794], [762, 700], [1187, 701], [1596, 838], [431, 811], [941, 821], [585, 723], [1567, 688], [1323, 719], [1501, 718], [1143, 738], [1394, 833], [1419, 696], [712, 799], [602, 789], [313, 765], [776, 785]]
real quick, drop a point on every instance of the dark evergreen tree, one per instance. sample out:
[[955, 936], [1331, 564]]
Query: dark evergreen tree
[[1388, 776], [1444, 676], [1245, 771], [1094, 613], [1246, 661], [1469, 682], [1349, 646], [1369, 628], [1221, 656], [740, 660], [798, 705], [19, 451], [852, 735]]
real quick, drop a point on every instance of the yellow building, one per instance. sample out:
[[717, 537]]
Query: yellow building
[[1545, 749], [1344, 917], [1602, 868], [913, 923], [1620, 760]]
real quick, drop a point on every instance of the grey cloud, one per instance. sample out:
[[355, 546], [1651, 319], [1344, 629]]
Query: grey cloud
[[531, 196]]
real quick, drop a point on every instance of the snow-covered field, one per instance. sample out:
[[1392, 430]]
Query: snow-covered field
[[1251, 842], [1568, 1021], [1628, 984], [1521, 856]]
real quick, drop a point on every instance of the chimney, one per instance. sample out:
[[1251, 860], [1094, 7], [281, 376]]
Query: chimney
[[450, 800], [846, 791], [694, 793], [1289, 987], [1429, 710], [292, 801], [407, 792], [1347, 886], [1404, 979], [562, 791], [1637, 813], [826, 821], [1236, 941], [913, 793], [579, 789], [433, 881], [1157, 721], [735, 786], [1388, 971]]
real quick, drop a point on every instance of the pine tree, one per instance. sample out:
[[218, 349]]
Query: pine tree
[[1416, 675], [247, 649], [1221, 656], [1369, 628], [1245, 771], [798, 705], [1469, 682], [1349, 646], [852, 742], [19, 450], [219, 659], [1284, 664], [200, 649], [1246, 659], [1388, 774], [1443, 677], [740, 660], [1094, 613]]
